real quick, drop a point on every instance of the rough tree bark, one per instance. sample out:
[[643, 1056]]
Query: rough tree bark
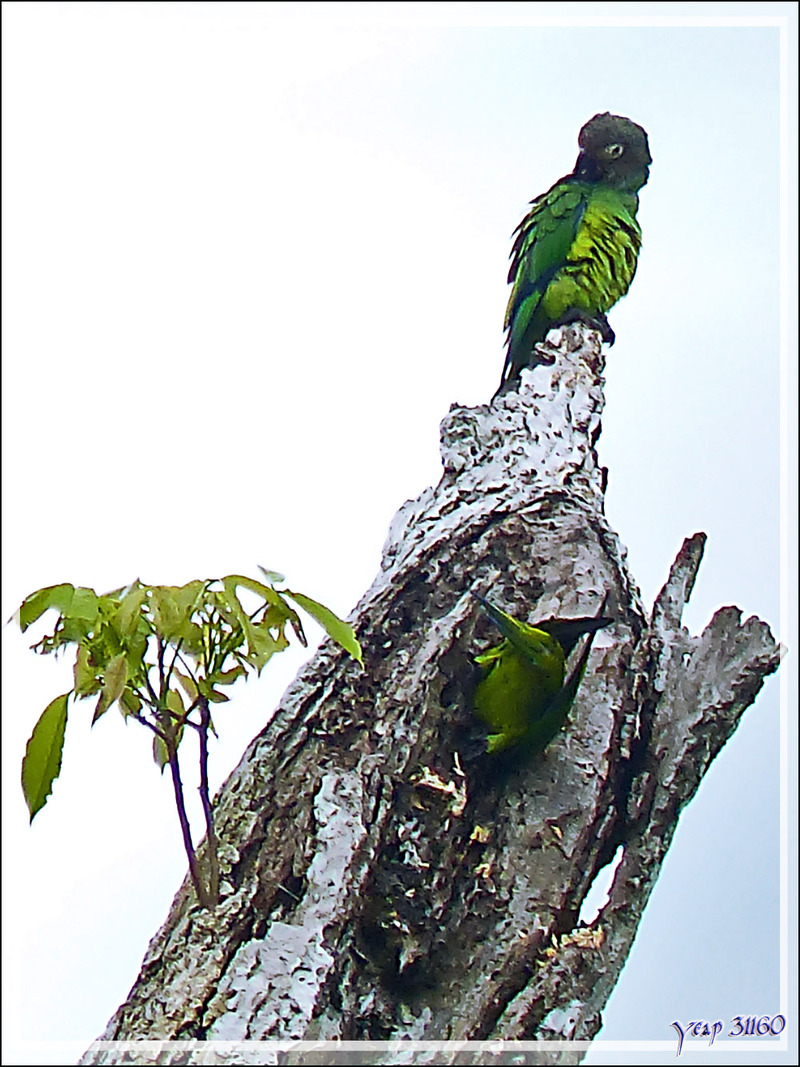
[[375, 885]]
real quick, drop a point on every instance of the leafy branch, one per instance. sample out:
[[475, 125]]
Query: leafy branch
[[163, 654]]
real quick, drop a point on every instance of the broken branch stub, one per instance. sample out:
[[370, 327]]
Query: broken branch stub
[[377, 885]]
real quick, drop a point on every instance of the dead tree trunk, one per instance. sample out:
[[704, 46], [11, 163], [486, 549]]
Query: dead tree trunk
[[375, 886]]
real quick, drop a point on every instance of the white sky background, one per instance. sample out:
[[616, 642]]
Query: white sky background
[[252, 253]]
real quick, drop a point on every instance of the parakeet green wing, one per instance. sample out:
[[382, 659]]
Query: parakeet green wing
[[543, 240], [554, 711]]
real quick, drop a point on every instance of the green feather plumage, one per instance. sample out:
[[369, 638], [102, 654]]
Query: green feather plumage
[[575, 252], [523, 695]]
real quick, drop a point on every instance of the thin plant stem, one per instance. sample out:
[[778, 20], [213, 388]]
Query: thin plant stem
[[211, 837], [194, 869]]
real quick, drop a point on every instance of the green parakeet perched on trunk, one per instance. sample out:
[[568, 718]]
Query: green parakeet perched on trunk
[[523, 696], [575, 252]]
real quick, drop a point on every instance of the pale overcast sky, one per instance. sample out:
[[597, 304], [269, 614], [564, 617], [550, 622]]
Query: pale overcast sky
[[252, 254]]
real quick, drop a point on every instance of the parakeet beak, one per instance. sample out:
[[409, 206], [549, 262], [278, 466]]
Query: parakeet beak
[[497, 616]]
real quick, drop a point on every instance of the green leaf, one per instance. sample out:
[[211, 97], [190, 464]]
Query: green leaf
[[188, 685], [277, 615], [173, 730], [69, 631], [175, 705], [116, 675], [172, 607], [42, 762], [294, 619], [271, 576], [210, 693], [168, 614], [191, 638], [263, 646], [188, 596], [35, 605], [228, 677], [85, 605], [239, 615], [266, 592], [135, 654], [128, 616], [130, 702], [160, 753], [85, 674], [341, 632]]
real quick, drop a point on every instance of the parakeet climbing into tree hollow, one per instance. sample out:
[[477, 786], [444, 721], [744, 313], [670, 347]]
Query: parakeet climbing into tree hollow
[[522, 696], [575, 252]]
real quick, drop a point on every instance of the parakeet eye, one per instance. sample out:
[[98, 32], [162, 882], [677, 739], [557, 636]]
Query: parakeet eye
[[614, 151]]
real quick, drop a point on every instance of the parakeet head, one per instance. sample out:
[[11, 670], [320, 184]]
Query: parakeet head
[[614, 150]]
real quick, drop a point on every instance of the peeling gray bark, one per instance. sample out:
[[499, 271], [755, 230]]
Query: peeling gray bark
[[378, 886]]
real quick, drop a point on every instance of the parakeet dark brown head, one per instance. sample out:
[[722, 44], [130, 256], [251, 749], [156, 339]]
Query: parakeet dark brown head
[[615, 151]]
